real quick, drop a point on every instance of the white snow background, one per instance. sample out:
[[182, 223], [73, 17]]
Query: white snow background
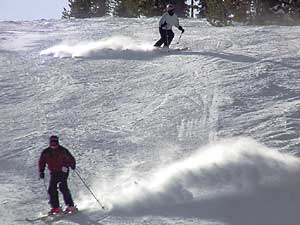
[[208, 136]]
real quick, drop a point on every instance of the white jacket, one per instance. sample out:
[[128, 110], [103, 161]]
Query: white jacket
[[170, 20]]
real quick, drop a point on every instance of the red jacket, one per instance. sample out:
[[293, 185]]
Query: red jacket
[[56, 159]]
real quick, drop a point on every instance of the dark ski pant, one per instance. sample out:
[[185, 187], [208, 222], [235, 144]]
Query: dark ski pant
[[59, 179], [166, 37]]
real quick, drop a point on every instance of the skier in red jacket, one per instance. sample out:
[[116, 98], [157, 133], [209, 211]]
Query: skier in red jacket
[[58, 159]]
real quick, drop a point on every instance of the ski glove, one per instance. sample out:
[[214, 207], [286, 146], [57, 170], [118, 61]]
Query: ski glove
[[164, 24], [73, 167], [64, 169], [181, 28], [42, 175]]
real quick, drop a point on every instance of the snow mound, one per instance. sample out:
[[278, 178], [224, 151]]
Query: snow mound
[[99, 48]]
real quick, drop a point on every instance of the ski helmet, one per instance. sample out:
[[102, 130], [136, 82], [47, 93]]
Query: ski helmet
[[170, 8]]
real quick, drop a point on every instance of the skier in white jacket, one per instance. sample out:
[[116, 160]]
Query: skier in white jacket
[[167, 21]]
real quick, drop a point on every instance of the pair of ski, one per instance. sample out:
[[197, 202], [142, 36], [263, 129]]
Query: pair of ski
[[161, 49], [51, 217]]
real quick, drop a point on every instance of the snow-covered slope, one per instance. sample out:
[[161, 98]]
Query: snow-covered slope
[[205, 136]]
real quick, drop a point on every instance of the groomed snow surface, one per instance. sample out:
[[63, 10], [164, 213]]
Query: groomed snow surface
[[207, 136]]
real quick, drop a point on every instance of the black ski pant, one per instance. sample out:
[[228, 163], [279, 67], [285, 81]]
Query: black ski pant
[[59, 180], [166, 37]]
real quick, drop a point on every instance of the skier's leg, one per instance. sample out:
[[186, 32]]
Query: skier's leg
[[52, 190], [159, 42], [162, 39], [166, 41], [63, 187], [170, 36]]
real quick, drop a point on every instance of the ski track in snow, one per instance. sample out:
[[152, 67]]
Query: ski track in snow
[[204, 136]]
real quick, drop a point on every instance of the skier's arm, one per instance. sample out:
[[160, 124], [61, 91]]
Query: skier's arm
[[162, 21], [178, 26], [42, 163], [70, 159]]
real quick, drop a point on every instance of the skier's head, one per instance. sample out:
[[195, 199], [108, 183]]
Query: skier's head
[[53, 142], [170, 9]]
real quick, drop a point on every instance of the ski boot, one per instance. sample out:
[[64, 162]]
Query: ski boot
[[70, 209], [55, 211]]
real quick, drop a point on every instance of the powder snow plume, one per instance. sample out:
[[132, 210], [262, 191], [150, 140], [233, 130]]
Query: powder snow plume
[[238, 172], [112, 45]]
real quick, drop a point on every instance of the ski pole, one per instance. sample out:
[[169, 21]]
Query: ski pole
[[102, 206], [179, 38]]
